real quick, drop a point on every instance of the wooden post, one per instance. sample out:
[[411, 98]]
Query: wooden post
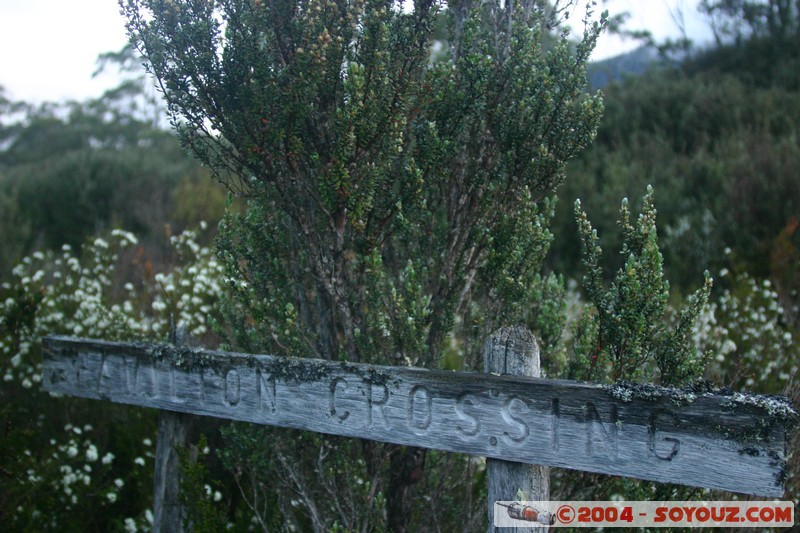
[[173, 435], [514, 351]]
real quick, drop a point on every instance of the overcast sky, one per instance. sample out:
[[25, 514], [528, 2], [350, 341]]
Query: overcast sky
[[48, 48]]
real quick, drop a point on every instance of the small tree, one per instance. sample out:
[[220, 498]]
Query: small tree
[[396, 187], [627, 333]]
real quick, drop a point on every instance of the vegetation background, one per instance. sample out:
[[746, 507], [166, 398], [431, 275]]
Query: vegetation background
[[107, 229]]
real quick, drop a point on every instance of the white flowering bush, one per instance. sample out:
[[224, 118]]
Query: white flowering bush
[[751, 343], [69, 464], [190, 291], [67, 479]]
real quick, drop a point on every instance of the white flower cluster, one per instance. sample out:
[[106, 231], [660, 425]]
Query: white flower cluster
[[145, 523], [73, 468], [58, 294], [745, 331], [212, 494], [190, 291], [73, 294]]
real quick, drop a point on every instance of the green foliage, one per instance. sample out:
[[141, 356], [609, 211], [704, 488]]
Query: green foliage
[[297, 128], [15, 231], [66, 478], [69, 171], [337, 484], [65, 475], [722, 153], [627, 334], [778, 20], [758, 41], [398, 168], [197, 200], [247, 456], [628, 331], [718, 137], [327, 489], [199, 495], [68, 197]]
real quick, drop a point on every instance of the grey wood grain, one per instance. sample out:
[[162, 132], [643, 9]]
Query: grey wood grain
[[173, 432], [718, 440], [513, 351], [173, 435]]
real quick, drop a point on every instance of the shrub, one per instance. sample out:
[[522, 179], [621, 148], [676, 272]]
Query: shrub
[[72, 464]]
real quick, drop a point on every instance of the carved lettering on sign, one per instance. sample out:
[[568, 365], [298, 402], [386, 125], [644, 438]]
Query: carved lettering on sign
[[520, 428], [596, 427], [555, 422], [471, 425], [342, 415], [99, 372], [420, 409], [81, 366], [373, 403], [671, 446], [104, 376], [173, 385], [231, 388], [131, 371], [202, 379], [267, 395], [77, 363], [147, 379]]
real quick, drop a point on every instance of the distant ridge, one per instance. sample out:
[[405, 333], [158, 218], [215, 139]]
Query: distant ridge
[[636, 62]]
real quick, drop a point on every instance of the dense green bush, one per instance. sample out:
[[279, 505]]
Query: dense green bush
[[74, 170], [397, 196], [723, 155], [627, 333]]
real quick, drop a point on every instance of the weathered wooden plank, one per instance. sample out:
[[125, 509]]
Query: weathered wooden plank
[[173, 433], [513, 351], [717, 440]]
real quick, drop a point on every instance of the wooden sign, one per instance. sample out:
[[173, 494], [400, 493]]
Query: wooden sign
[[726, 441]]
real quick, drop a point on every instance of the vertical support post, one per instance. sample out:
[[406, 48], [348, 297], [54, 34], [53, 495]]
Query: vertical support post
[[173, 435], [173, 432], [514, 351]]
